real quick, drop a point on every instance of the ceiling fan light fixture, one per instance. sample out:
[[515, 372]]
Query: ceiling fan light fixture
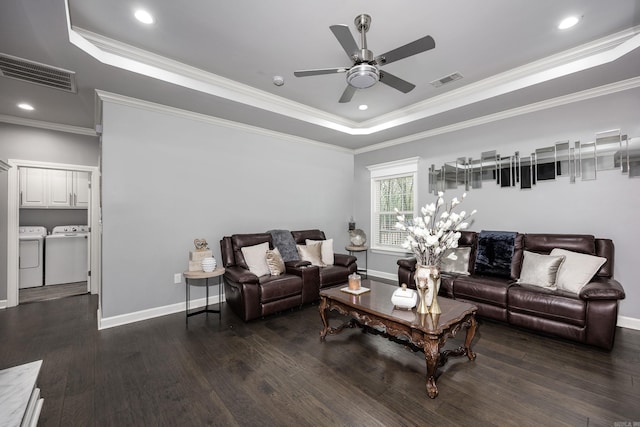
[[362, 76]]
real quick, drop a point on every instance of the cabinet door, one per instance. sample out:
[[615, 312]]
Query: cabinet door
[[33, 187], [60, 188], [81, 189]]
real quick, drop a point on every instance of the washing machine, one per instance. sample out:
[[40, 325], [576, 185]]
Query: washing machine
[[66, 255], [31, 261]]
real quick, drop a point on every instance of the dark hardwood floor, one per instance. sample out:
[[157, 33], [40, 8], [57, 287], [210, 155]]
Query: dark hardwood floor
[[276, 372], [43, 293]]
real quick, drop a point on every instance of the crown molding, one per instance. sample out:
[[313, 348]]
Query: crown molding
[[584, 95], [115, 98], [136, 60], [47, 125]]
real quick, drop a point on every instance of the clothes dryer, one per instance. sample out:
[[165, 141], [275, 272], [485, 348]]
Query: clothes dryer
[[31, 258]]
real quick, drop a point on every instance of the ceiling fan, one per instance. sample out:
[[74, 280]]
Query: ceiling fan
[[365, 71]]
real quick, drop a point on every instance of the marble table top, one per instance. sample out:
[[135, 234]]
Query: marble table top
[[16, 386]]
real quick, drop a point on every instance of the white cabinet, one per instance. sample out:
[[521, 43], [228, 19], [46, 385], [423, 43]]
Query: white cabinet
[[80, 189], [33, 187], [60, 191], [53, 188]]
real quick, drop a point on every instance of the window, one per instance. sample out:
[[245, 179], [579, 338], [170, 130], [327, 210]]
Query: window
[[393, 185]]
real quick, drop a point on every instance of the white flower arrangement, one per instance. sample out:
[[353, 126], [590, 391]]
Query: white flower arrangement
[[430, 235]]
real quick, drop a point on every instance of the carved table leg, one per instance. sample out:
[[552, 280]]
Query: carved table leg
[[471, 332], [431, 355], [324, 305]]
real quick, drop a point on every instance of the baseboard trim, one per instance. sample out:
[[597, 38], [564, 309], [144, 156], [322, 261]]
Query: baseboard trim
[[628, 322], [3, 303], [138, 316], [382, 275]]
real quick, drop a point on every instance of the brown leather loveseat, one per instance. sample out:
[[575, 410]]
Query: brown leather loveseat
[[588, 316], [252, 297]]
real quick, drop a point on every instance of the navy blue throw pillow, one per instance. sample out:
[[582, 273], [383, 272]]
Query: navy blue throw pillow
[[495, 251]]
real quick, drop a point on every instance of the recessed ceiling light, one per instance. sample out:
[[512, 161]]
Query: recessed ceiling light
[[363, 107], [143, 16], [568, 22], [26, 106]]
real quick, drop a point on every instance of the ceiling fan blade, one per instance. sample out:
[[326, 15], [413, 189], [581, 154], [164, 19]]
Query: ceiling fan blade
[[319, 71], [347, 94], [344, 36], [416, 46], [396, 82]]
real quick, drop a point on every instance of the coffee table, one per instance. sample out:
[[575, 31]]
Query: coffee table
[[426, 331]]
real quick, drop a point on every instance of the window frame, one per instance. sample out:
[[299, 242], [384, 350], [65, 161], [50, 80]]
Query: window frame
[[390, 170]]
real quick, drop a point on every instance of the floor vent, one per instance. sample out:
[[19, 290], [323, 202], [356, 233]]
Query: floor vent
[[446, 79], [36, 73]]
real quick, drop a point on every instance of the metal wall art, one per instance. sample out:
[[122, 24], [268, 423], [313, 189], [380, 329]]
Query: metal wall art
[[564, 159]]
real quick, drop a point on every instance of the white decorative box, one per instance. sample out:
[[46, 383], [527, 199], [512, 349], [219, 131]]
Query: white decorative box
[[404, 298]]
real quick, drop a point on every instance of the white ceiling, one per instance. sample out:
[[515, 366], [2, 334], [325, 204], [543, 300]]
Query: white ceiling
[[219, 59]]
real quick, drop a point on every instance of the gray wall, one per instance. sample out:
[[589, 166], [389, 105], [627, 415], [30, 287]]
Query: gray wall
[[168, 180], [607, 207], [27, 143]]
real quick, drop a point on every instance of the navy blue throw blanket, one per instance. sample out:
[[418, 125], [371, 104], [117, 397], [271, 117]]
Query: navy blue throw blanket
[[495, 251]]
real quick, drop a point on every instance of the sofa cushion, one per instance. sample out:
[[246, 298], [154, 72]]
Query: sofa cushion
[[495, 253], [239, 241], [256, 258], [460, 265], [283, 240], [273, 288], [576, 270], [311, 253], [275, 262], [490, 290], [326, 249], [540, 270], [547, 304]]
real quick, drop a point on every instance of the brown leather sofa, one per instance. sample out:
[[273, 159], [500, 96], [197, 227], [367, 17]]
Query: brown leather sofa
[[251, 297], [589, 317]]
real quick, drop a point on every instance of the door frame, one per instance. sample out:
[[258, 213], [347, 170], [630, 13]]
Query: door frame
[[13, 212]]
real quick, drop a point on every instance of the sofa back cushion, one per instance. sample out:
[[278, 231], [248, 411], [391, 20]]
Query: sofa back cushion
[[301, 236], [238, 241], [581, 243], [545, 243]]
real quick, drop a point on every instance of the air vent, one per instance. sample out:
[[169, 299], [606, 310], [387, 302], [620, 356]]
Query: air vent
[[36, 73], [446, 79]]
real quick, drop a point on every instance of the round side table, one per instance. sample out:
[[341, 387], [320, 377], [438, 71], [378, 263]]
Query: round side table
[[206, 275], [354, 250]]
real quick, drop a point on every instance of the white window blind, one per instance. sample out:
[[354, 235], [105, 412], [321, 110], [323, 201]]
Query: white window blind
[[393, 185]]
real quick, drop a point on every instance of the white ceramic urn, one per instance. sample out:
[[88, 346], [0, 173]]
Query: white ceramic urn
[[208, 264]]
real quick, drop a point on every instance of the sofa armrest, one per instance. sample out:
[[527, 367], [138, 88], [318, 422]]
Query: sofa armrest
[[296, 264], [601, 288], [409, 263], [343, 260], [240, 275]]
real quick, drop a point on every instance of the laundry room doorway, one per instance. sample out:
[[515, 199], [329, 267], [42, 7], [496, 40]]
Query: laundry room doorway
[[62, 199]]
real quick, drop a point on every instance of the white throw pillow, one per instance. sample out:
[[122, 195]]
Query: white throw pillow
[[576, 270], [256, 258], [327, 249], [460, 265], [312, 253], [540, 270]]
